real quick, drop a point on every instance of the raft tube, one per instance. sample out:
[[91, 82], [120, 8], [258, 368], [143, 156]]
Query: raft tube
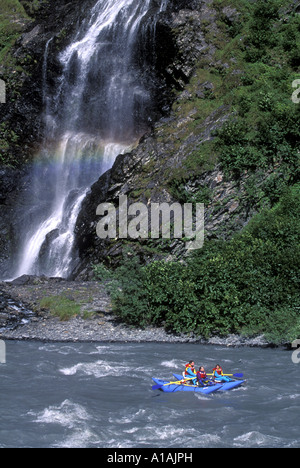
[[180, 387]]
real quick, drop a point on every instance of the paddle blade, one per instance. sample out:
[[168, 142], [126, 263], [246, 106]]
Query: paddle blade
[[239, 376], [156, 387]]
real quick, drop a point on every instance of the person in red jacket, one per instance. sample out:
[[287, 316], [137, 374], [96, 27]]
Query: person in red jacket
[[219, 376]]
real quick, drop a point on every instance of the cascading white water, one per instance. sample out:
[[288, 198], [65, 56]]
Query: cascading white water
[[98, 112]]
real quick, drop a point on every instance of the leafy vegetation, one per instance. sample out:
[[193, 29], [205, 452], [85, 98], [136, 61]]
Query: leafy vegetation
[[12, 20], [265, 130], [248, 285], [257, 60]]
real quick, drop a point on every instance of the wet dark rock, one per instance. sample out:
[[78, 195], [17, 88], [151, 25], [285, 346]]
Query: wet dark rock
[[13, 313]]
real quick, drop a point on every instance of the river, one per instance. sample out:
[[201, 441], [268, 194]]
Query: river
[[99, 395]]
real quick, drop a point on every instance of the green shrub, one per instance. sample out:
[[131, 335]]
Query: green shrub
[[101, 272], [249, 284], [261, 34], [129, 295]]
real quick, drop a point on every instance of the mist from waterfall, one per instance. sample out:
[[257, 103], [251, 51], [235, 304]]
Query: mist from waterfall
[[99, 110]]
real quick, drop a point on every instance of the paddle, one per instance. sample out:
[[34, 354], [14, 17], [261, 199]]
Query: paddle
[[156, 387], [238, 376]]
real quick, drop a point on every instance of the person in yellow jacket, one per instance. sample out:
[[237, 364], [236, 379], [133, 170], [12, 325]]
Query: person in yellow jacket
[[190, 371]]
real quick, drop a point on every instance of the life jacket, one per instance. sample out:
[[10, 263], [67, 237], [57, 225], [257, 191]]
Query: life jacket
[[201, 375], [218, 371], [188, 366]]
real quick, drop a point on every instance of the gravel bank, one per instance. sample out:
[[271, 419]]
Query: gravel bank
[[22, 317]]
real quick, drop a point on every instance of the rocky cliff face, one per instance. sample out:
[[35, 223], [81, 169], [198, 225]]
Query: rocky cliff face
[[150, 172]]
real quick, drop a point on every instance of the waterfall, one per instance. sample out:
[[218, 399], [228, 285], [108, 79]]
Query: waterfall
[[99, 110], [44, 71]]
